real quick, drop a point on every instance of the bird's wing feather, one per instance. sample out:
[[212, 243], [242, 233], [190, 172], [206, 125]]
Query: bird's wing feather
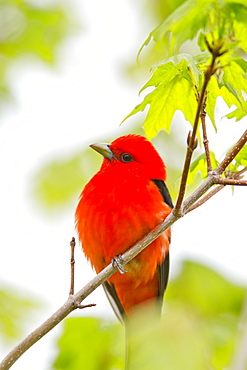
[[114, 301], [163, 273], [163, 269], [164, 191]]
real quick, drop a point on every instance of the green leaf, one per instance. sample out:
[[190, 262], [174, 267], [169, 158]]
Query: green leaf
[[182, 64], [215, 23], [222, 20], [234, 79], [239, 10], [200, 165], [173, 80], [183, 24], [238, 113], [216, 90], [230, 87]]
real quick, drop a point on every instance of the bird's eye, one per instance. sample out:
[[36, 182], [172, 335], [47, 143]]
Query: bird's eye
[[126, 158]]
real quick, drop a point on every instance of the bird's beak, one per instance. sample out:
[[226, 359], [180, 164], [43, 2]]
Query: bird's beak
[[103, 149]]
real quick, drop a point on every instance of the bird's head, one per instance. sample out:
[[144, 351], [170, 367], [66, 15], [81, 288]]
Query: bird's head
[[132, 153]]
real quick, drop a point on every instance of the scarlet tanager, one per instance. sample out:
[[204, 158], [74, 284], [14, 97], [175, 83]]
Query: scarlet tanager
[[123, 201]]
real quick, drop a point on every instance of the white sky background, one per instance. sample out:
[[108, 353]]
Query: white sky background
[[59, 111]]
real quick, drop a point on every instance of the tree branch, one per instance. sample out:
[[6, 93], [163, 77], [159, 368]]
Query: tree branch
[[235, 176], [226, 181], [205, 198], [232, 154]]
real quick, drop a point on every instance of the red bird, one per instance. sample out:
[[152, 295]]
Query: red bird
[[121, 203]]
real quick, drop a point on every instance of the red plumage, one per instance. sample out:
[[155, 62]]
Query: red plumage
[[121, 203]]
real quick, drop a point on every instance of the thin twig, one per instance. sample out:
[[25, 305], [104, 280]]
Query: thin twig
[[237, 176], [81, 306], [72, 267], [192, 141], [206, 198], [241, 172], [226, 181], [205, 139]]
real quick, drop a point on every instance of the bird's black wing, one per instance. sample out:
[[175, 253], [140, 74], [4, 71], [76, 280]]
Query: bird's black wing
[[114, 301], [163, 269], [164, 192]]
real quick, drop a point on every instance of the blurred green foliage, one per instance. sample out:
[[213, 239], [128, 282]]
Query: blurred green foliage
[[155, 11], [91, 344], [15, 310], [57, 183], [28, 30], [200, 329], [160, 9]]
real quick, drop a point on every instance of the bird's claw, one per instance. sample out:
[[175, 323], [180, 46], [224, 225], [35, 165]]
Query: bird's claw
[[117, 262]]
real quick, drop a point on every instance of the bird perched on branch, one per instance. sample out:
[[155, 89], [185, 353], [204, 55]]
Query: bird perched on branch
[[123, 201]]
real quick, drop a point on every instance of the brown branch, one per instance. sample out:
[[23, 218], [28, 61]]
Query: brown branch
[[206, 198], [205, 140], [232, 154], [72, 266], [226, 181], [192, 140], [235, 176], [241, 172], [81, 306], [223, 183]]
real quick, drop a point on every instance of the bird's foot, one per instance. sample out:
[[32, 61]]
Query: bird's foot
[[117, 262]]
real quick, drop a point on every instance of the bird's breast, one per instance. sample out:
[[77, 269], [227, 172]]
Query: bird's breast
[[115, 215]]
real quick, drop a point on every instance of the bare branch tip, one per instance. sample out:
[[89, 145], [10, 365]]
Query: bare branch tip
[[72, 243], [81, 306]]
